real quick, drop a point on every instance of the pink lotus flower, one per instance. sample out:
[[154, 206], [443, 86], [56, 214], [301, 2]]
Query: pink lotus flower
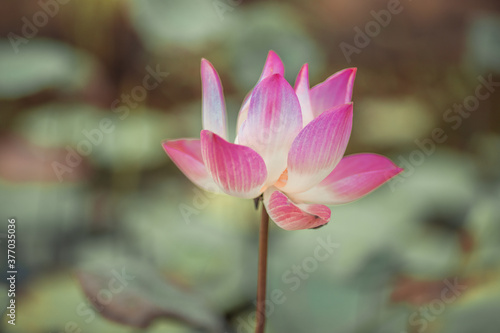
[[289, 146]]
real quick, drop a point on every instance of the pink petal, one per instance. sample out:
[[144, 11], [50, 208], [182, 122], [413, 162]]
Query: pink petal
[[213, 108], [336, 90], [355, 176], [302, 91], [273, 65], [238, 170], [318, 148], [186, 154], [291, 216], [273, 122]]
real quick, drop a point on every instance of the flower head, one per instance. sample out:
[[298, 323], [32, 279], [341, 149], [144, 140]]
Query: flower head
[[289, 146]]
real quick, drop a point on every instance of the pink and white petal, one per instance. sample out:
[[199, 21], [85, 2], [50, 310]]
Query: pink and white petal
[[186, 154], [291, 216], [243, 114], [238, 170], [213, 105], [336, 90], [273, 65], [318, 148], [273, 122], [355, 176], [302, 91]]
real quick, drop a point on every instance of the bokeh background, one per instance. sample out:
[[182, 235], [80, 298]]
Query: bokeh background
[[107, 226]]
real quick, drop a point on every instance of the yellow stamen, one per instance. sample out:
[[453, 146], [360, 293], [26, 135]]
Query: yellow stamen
[[283, 179]]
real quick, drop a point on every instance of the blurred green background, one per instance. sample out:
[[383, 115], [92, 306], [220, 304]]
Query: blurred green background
[[107, 226]]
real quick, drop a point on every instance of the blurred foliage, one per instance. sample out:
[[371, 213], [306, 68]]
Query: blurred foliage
[[133, 294], [43, 64], [71, 95], [188, 24], [483, 41]]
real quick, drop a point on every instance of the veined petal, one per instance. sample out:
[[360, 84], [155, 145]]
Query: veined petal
[[291, 216], [273, 122], [318, 148], [186, 154], [213, 105], [238, 170], [336, 90], [302, 91], [355, 176], [273, 65]]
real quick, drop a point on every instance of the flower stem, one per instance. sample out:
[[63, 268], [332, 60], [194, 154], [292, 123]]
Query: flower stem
[[262, 277]]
